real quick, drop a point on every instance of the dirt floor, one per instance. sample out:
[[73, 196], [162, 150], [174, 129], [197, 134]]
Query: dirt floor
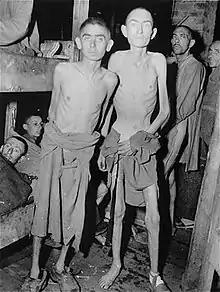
[[16, 261]]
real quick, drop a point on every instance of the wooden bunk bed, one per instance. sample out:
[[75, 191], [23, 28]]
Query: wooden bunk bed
[[20, 73]]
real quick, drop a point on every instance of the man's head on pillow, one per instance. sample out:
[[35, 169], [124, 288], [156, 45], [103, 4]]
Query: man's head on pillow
[[13, 148]]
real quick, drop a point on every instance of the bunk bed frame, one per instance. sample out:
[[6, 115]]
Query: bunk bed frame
[[21, 73]]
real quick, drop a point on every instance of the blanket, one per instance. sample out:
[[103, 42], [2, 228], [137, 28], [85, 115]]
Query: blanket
[[14, 190]]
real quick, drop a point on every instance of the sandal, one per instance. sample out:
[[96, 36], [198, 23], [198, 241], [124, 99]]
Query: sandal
[[65, 280], [35, 285]]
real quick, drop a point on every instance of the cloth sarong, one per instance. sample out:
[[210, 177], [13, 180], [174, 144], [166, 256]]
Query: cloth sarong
[[138, 171], [62, 184]]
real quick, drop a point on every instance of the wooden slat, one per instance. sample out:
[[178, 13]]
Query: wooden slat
[[24, 73], [80, 13], [10, 118], [199, 273]]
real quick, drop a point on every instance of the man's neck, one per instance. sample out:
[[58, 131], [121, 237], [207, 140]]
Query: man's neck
[[30, 138], [90, 67], [183, 57], [138, 53]]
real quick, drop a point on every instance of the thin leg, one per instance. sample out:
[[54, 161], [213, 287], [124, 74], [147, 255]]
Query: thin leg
[[107, 280], [35, 269], [175, 141], [101, 192], [61, 260], [172, 187], [152, 222]]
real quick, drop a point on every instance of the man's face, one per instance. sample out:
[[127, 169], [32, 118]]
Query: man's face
[[181, 41], [34, 126], [139, 28], [94, 41], [214, 55], [13, 149]]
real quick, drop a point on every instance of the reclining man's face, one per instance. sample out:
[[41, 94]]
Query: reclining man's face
[[12, 150]]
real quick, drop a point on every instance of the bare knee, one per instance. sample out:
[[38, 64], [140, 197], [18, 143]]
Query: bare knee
[[152, 221], [119, 212]]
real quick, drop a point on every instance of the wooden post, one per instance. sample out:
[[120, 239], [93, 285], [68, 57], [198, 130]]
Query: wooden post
[[198, 275], [10, 118], [80, 13]]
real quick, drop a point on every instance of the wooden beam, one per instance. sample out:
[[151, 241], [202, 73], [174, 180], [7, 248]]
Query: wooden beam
[[10, 118], [80, 13], [199, 272], [24, 73]]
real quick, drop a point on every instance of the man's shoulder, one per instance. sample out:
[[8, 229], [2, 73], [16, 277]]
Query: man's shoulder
[[156, 54], [157, 57], [63, 66], [111, 78], [196, 63], [118, 56]]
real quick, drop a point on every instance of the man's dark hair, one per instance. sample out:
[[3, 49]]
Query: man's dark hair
[[189, 30], [27, 117], [199, 45], [95, 20], [21, 140]]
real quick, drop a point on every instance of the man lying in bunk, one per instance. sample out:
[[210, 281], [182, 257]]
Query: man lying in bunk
[[14, 186]]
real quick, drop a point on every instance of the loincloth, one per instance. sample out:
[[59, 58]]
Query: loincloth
[[62, 184], [138, 169]]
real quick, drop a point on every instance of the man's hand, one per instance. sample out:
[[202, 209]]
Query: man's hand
[[124, 148], [32, 177], [102, 163]]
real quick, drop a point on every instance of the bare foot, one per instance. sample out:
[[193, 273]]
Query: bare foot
[[108, 279], [34, 273]]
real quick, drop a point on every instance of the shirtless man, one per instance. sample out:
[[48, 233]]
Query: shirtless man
[[81, 92], [129, 150]]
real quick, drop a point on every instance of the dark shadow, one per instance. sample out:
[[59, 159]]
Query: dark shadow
[[92, 214], [165, 235], [216, 280], [7, 253]]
